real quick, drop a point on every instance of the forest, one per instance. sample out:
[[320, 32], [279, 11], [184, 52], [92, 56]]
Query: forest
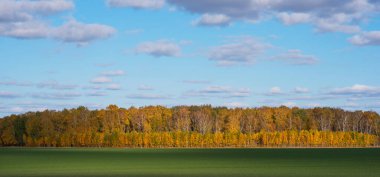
[[192, 126]]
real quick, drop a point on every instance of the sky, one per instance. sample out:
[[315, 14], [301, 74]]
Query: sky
[[58, 54]]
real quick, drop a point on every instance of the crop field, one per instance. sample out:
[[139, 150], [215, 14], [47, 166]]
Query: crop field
[[83, 162]]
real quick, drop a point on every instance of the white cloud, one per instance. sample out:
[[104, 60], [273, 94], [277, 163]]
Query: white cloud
[[313, 98], [294, 18], [361, 105], [237, 9], [6, 94], [23, 107], [101, 79], [12, 109], [57, 86], [366, 38], [56, 96], [25, 30], [82, 33], [16, 109], [148, 96], [113, 87], [313, 105], [133, 31], [219, 91], [29, 20], [113, 73], [244, 51], [301, 90], [373, 105], [275, 91], [161, 48], [324, 15], [336, 23], [215, 89], [139, 4], [240, 93], [16, 11], [235, 105], [357, 90], [296, 57], [213, 20], [16, 83], [289, 104], [351, 105], [145, 87], [97, 94], [331, 25], [93, 87]]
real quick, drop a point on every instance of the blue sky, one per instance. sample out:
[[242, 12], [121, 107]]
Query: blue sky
[[237, 53]]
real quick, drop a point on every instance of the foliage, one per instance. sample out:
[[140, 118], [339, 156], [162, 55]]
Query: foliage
[[191, 126]]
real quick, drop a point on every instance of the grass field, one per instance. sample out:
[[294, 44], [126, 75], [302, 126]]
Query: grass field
[[27, 162]]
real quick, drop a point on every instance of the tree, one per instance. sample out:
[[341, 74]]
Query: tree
[[191, 126]]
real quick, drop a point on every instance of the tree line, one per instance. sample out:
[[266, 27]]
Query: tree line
[[192, 126]]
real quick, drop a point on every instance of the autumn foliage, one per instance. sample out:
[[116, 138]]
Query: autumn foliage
[[192, 126]]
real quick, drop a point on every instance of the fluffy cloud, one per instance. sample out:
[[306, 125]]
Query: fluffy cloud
[[57, 86], [296, 57], [113, 87], [93, 87], [139, 4], [278, 102], [313, 98], [294, 18], [213, 20], [161, 48], [235, 105], [19, 109], [113, 73], [81, 33], [289, 104], [219, 91], [240, 93], [28, 20], [145, 87], [148, 96], [366, 105], [97, 94], [215, 89], [18, 11], [244, 51], [16, 83], [351, 105], [331, 25], [22, 107], [101, 80], [4, 94], [275, 91], [357, 90], [366, 38], [56, 96], [46, 84], [301, 90], [237, 9], [25, 30], [325, 15]]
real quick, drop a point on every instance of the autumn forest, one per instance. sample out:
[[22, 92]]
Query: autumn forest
[[192, 126]]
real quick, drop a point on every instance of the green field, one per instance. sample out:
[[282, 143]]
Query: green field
[[189, 162]]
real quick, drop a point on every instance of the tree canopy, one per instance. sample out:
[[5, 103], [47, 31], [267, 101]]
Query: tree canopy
[[191, 126]]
